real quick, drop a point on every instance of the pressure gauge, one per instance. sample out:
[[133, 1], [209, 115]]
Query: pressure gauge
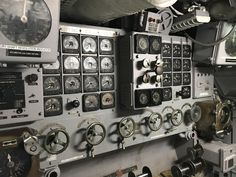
[[89, 44], [107, 100], [167, 64], [52, 68], [71, 64], [167, 79], [142, 44], [142, 98], [167, 94], [177, 50], [90, 64], [177, 79], [25, 22], [51, 85], [186, 51], [107, 82], [106, 46], [70, 44], [52, 106], [186, 78], [155, 45], [107, 65], [186, 92], [186, 64], [166, 50], [177, 65], [156, 97], [91, 83], [72, 84], [90, 102]]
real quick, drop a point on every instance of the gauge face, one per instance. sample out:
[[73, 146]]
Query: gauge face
[[70, 44], [107, 65], [107, 82], [52, 68], [186, 65], [166, 50], [106, 46], [89, 44], [167, 64], [71, 64], [156, 97], [15, 162], [155, 45], [186, 51], [90, 64], [186, 92], [52, 106], [25, 22], [142, 44], [90, 102], [167, 94], [167, 79], [72, 84], [230, 45], [177, 79], [142, 98], [177, 51], [177, 65], [186, 78], [51, 85], [107, 100], [91, 83]]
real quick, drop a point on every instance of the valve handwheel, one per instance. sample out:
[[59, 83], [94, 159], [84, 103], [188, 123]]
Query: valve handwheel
[[95, 133], [126, 127], [155, 121], [177, 117]]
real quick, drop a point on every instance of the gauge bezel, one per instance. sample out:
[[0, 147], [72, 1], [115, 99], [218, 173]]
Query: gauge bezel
[[137, 37], [71, 91], [113, 82], [96, 41], [53, 71], [90, 70], [107, 106], [54, 113], [72, 51], [71, 71], [107, 70], [52, 92], [94, 89], [112, 46], [87, 109], [151, 40]]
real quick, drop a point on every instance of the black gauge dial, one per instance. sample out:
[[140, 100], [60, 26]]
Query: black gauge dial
[[167, 94], [186, 65], [53, 68], [90, 102], [70, 44], [90, 64], [52, 106], [177, 65], [156, 97], [155, 45], [91, 83], [107, 65], [142, 44], [142, 98], [89, 44], [71, 64], [51, 85], [107, 82], [166, 50], [186, 51], [167, 64], [25, 22], [177, 79], [186, 78], [107, 100], [106, 46], [177, 51], [186, 92], [167, 79], [72, 84]]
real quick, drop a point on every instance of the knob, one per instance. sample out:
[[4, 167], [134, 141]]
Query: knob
[[75, 103], [32, 78]]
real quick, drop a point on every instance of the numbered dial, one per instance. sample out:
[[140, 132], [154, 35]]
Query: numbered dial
[[52, 106], [56, 141], [107, 100], [25, 22], [142, 44], [107, 65], [95, 134], [72, 84], [70, 44], [91, 83], [90, 64], [107, 82], [155, 121], [177, 117], [166, 50], [177, 51], [155, 45], [51, 85], [186, 92], [156, 97], [90, 102], [53, 68], [89, 44], [142, 98], [106, 46], [167, 94], [126, 127], [71, 64]]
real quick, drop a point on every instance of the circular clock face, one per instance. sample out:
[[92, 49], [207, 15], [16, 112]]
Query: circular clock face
[[25, 22], [89, 45]]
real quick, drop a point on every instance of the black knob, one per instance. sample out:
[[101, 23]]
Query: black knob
[[75, 103], [32, 78]]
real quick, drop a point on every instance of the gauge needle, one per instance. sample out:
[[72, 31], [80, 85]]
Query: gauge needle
[[24, 19]]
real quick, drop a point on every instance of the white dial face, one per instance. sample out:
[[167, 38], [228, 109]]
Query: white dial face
[[71, 63], [89, 45], [106, 45], [90, 83], [55, 65], [90, 64], [72, 83], [70, 42], [107, 83], [143, 43], [107, 64]]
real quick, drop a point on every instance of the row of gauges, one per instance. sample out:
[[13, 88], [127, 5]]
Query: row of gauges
[[89, 44], [53, 106], [72, 65], [178, 64], [72, 84], [176, 50], [178, 79]]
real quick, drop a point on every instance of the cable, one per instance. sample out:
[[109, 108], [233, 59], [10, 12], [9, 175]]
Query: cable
[[176, 11], [214, 43]]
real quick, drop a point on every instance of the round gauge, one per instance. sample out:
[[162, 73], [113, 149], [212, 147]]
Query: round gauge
[[186, 65], [25, 22], [52, 105], [176, 50], [143, 43], [155, 121], [71, 63], [230, 45], [156, 97], [186, 92], [107, 100], [89, 45], [91, 103], [167, 64], [90, 84], [51, 84], [107, 82], [72, 84], [177, 79], [166, 48], [107, 65], [52, 66], [90, 64], [14, 162], [167, 94], [156, 46], [177, 117], [70, 42], [167, 79], [106, 45], [143, 99], [177, 65], [196, 113], [186, 78]]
